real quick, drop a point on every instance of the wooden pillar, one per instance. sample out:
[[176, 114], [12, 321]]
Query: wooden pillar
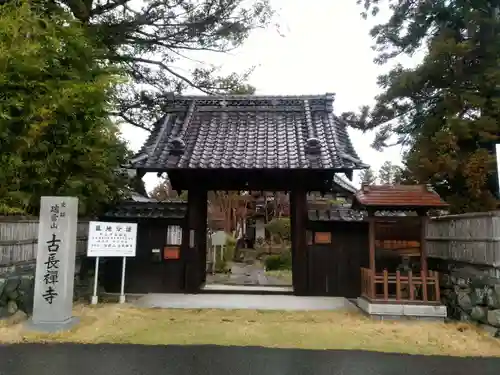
[[300, 264], [192, 241], [371, 242], [423, 245], [202, 236]]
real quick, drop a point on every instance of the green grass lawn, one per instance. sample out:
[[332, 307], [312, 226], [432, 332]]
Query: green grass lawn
[[113, 323]]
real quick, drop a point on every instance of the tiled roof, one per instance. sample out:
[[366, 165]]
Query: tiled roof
[[411, 196], [344, 184], [336, 214], [150, 210], [249, 132], [349, 214], [136, 197]]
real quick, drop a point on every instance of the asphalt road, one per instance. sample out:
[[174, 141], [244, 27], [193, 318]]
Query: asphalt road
[[72, 359]]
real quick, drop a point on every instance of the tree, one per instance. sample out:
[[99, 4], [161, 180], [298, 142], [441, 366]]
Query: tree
[[446, 110], [386, 173], [368, 177], [55, 135], [280, 229], [137, 185], [163, 191], [391, 174], [153, 38]]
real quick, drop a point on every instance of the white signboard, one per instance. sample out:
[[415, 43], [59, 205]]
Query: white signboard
[[112, 239], [174, 235], [219, 238]]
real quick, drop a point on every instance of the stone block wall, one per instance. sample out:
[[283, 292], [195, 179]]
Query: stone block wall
[[17, 286], [471, 293], [16, 293]]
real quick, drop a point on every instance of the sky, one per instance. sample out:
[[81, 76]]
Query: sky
[[322, 46]]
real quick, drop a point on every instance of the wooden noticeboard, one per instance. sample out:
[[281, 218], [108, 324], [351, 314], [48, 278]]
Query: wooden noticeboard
[[171, 252], [322, 238]]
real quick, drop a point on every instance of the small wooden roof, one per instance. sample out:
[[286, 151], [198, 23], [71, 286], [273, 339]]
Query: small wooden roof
[[397, 197]]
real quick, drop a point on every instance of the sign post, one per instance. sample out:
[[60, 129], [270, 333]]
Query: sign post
[[108, 239], [55, 265], [122, 286], [95, 299]]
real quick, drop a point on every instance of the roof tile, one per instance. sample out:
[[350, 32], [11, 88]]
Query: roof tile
[[398, 196], [148, 210], [247, 132]]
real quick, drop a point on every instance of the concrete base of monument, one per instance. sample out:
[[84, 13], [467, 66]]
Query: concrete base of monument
[[51, 327]]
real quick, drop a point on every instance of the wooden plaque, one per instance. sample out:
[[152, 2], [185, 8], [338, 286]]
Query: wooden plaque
[[322, 238], [171, 252]]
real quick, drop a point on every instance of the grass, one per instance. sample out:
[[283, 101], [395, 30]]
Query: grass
[[284, 275], [113, 323]]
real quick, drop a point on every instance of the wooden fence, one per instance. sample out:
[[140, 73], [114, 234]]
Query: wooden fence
[[472, 238], [19, 239], [398, 287]]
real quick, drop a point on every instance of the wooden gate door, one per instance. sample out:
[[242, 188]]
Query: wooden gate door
[[324, 270], [334, 268]]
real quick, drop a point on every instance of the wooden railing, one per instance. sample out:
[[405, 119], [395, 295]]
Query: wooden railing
[[400, 287]]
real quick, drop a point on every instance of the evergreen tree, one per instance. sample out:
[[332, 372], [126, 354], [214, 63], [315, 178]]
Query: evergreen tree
[[367, 177], [447, 109], [386, 173], [55, 135]]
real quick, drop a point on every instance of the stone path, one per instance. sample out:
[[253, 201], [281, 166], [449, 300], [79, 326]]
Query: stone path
[[246, 274], [104, 359]]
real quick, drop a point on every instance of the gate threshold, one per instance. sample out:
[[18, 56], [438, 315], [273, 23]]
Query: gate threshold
[[246, 289], [244, 302]]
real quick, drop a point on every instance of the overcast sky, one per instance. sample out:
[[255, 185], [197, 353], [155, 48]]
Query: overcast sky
[[325, 47]]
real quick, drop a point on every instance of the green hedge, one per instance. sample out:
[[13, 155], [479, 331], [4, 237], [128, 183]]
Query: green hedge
[[281, 261]]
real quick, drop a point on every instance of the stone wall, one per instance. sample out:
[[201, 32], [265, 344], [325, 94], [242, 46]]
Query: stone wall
[[17, 286], [16, 293], [471, 293]]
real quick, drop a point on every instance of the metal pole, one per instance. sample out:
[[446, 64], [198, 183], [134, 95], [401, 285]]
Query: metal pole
[[122, 289], [214, 259], [94, 299]]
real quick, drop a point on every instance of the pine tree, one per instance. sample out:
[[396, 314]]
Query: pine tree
[[154, 40], [386, 173], [447, 109], [368, 177]]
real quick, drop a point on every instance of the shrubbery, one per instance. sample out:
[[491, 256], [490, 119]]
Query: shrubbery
[[279, 228], [281, 261]]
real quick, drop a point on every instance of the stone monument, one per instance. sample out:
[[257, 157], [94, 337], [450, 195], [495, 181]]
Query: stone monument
[[55, 265]]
